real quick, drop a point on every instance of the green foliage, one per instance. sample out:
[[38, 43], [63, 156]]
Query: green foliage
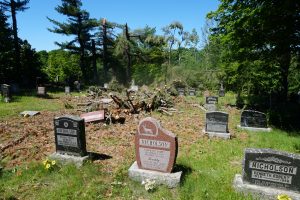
[[258, 39], [62, 64], [78, 25]]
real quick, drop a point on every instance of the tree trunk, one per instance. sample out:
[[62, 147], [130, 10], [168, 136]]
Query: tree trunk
[[104, 38], [285, 61], [94, 62], [127, 51], [16, 40]]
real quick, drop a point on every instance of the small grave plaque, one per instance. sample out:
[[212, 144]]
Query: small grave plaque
[[156, 148], [192, 92], [67, 90], [93, 116], [6, 92], [268, 169], [41, 91], [70, 135], [211, 100], [217, 124], [180, 91]]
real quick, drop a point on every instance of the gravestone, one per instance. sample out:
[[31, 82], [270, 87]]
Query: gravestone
[[105, 85], [156, 152], [268, 173], [93, 116], [254, 120], [221, 91], [70, 135], [210, 103], [211, 100], [180, 91], [67, 90], [6, 93], [41, 91], [216, 124], [192, 92]]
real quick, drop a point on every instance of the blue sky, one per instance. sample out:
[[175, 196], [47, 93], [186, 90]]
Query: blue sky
[[33, 23]]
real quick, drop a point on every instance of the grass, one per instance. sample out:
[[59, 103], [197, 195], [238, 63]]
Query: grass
[[209, 166]]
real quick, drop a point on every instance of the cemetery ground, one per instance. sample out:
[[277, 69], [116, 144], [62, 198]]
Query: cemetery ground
[[209, 165]]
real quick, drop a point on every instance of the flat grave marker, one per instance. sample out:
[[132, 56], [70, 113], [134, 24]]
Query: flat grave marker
[[156, 152], [268, 173], [254, 121], [95, 116], [216, 124]]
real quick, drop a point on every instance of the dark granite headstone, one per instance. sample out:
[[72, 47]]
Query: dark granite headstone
[[180, 91], [70, 135], [156, 148], [216, 122], [6, 93], [270, 168], [211, 100], [192, 92], [250, 118]]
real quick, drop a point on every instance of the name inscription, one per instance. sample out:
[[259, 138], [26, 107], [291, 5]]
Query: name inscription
[[66, 131], [154, 143], [279, 177], [67, 141]]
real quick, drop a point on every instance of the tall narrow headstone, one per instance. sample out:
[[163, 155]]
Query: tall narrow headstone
[[156, 152], [254, 120], [67, 90], [268, 173], [216, 124]]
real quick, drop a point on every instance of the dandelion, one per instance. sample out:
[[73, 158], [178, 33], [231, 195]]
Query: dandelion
[[283, 197], [48, 166], [53, 162], [45, 162], [149, 185]]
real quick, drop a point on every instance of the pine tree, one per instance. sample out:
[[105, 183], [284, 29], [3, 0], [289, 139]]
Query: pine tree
[[79, 25]]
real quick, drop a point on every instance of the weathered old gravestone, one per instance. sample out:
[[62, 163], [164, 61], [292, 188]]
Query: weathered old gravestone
[[67, 90], [156, 152], [254, 120], [216, 124], [221, 91], [210, 103], [41, 91], [181, 91], [93, 116], [267, 173], [192, 92], [6, 93], [211, 100]]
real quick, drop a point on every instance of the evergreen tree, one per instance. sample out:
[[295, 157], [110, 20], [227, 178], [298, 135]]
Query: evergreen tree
[[14, 6], [79, 25]]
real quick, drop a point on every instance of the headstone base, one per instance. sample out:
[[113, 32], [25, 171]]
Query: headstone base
[[68, 159], [263, 193], [169, 179], [254, 129], [217, 134]]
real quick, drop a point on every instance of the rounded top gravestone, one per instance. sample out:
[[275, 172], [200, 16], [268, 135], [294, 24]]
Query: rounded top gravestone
[[156, 148]]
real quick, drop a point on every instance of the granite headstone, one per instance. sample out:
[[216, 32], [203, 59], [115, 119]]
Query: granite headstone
[[216, 124], [70, 135], [211, 100], [192, 92], [251, 118], [93, 116], [268, 173], [67, 90], [180, 91], [41, 91], [6, 93], [156, 148]]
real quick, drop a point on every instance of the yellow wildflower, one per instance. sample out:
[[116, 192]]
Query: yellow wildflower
[[48, 166], [283, 197], [45, 162], [53, 162]]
